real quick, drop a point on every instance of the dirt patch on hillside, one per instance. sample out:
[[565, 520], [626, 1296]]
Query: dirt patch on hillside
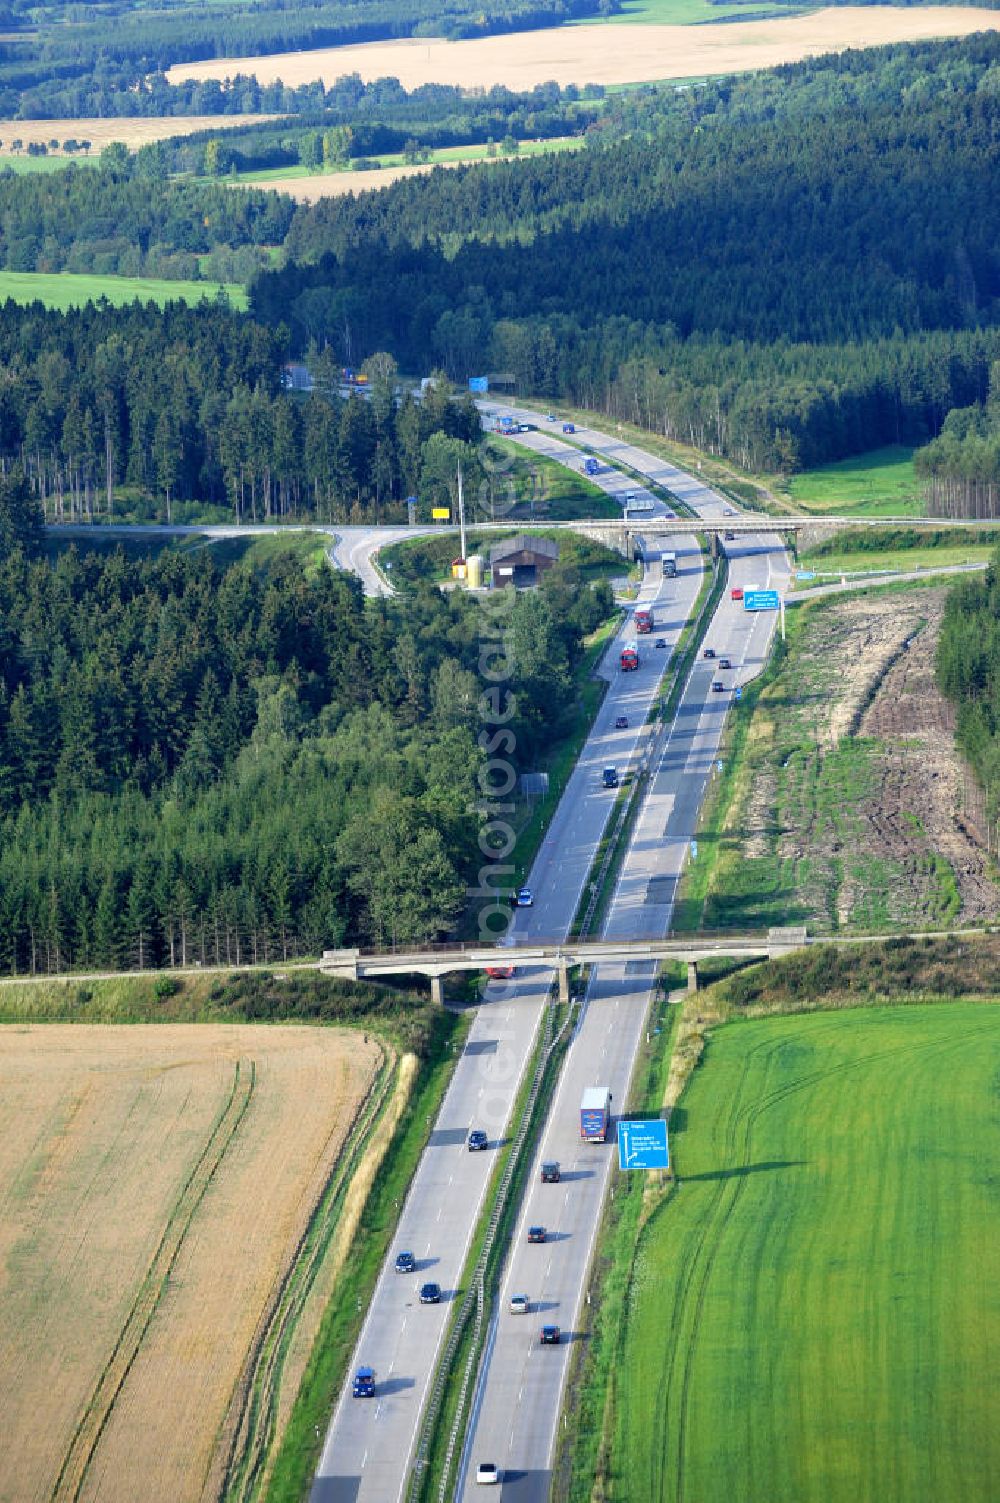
[[922, 772], [609, 54], [852, 809]]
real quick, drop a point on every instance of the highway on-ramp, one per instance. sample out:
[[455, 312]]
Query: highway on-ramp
[[517, 1404], [369, 1445]]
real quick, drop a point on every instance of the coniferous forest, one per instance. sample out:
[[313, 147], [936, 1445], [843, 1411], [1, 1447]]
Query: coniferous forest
[[787, 268], [210, 761]]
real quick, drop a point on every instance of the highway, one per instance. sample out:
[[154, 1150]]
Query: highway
[[517, 1404], [369, 1444]]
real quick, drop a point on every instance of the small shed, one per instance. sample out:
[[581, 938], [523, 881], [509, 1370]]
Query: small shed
[[521, 560]]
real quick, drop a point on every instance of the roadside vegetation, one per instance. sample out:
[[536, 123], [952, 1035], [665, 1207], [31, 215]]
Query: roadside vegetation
[[836, 806], [893, 550]]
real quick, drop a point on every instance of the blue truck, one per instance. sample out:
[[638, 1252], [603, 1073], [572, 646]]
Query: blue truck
[[591, 466], [595, 1114]]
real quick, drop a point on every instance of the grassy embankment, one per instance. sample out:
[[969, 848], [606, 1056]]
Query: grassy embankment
[[813, 1315], [860, 551], [62, 290], [475, 151]]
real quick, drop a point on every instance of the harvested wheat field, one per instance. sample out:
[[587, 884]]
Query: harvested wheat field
[[309, 190], [606, 54], [101, 133], [154, 1185]]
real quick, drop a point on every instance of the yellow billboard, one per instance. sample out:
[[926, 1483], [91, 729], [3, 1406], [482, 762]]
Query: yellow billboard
[[440, 513]]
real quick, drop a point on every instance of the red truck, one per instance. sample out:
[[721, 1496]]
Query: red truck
[[643, 622], [629, 658]]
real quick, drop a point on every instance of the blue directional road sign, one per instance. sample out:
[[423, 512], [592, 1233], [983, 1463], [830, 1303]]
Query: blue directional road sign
[[760, 600], [643, 1145], [805, 574], [479, 383]]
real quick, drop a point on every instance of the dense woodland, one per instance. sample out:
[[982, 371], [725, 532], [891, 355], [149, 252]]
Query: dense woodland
[[787, 268], [122, 218], [88, 58], [185, 409], [961, 467], [968, 670], [223, 763]]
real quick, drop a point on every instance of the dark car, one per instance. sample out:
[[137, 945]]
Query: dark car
[[621, 722], [550, 1336], [430, 1294], [550, 1172], [718, 688], [729, 536], [536, 1234], [405, 1262], [709, 652], [478, 1140], [363, 1386], [661, 641], [725, 663]]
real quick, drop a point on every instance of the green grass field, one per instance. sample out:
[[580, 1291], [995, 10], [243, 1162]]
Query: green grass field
[[475, 152], [814, 1315], [63, 290], [879, 483], [689, 12], [23, 165]]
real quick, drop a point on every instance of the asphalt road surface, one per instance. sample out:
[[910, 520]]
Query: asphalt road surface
[[517, 1404], [369, 1444]]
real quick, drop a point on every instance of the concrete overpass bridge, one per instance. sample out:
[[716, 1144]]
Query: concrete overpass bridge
[[358, 965]]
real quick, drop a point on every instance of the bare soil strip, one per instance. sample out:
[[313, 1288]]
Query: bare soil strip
[[606, 54]]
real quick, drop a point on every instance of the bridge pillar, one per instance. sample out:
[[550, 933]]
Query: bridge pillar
[[692, 975], [716, 546], [563, 981], [437, 990]]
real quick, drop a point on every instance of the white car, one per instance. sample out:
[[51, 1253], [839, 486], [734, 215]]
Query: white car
[[520, 1304], [487, 1471]]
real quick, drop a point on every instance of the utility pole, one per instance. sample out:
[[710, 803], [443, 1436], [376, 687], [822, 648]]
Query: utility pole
[[461, 513]]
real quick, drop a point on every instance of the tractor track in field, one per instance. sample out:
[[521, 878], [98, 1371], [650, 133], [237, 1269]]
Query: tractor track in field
[[73, 1472]]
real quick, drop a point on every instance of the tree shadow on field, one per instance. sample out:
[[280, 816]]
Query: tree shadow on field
[[741, 1170]]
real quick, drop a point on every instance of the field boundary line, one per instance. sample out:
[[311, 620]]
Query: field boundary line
[[93, 1422]]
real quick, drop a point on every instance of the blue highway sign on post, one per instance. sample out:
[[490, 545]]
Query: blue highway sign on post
[[643, 1145], [479, 383], [761, 600]]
